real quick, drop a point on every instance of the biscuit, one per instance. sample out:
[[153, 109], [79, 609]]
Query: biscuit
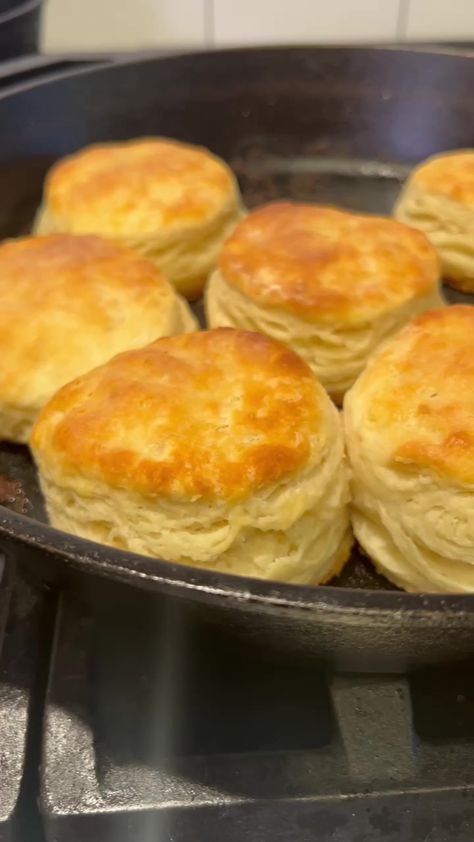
[[330, 284], [409, 423], [219, 450], [438, 199], [167, 201], [68, 304]]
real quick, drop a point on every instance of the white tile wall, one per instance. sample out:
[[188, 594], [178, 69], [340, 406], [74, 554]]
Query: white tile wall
[[440, 19], [140, 24], [91, 25], [273, 21]]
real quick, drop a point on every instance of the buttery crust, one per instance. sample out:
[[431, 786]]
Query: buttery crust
[[410, 435], [218, 414], [67, 304], [324, 263], [167, 200], [219, 450]]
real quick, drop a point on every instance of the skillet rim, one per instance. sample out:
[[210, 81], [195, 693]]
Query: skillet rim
[[108, 62], [157, 574]]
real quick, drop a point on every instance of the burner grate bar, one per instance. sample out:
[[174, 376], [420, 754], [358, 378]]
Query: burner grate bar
[[376, 727]]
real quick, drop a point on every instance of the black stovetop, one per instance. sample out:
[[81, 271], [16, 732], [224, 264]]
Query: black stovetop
[[118, 723]]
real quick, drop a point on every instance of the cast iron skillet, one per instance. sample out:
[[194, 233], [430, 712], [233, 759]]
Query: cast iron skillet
[[330, 125]]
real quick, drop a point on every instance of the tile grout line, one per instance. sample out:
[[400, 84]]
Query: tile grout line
[[402, 19]]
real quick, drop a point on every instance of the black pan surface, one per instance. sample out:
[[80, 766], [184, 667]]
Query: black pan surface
[[340, 126]]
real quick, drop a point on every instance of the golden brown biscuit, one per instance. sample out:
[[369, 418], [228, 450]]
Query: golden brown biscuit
[[438, 199], [167, 201], [331, 285], [68, 304], [410, 435], [219, 449]]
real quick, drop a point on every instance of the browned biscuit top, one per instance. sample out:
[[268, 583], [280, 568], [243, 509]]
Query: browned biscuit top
[[217, 414], [138, 187], [418, 394], [450, 176], [323, 263]]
